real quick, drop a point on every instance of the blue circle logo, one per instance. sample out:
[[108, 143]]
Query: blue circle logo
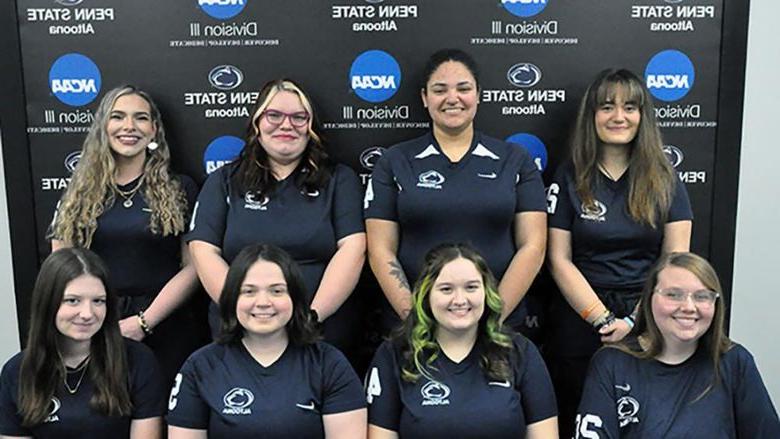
[[669, 75], [74, 79], [375, 76], [534, 146], [221, 151], [222, 9], [524, 8]]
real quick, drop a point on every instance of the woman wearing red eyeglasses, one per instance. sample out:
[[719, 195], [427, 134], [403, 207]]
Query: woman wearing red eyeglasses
[[283, 190]]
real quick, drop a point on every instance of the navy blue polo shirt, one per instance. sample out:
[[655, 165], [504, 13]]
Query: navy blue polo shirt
[[462, 402], [628, 397], [306, 225], [224, 390], [140, 262], [435, 201], [71, 415], [609, 248]]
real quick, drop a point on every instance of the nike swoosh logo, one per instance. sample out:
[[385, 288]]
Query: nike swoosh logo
[[499, 383], [625, 388], [309, 406], [491, 176]]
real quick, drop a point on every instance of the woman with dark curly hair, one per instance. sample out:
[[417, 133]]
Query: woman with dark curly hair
[[266, 376], [124, 204], [453, 371], [78, 377], [283, 190]]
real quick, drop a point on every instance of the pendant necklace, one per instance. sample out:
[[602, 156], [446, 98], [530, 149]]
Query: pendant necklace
[[80, 368], [128, 195]]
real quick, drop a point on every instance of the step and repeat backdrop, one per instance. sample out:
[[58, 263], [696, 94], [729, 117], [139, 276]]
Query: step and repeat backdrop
[[204, 61]]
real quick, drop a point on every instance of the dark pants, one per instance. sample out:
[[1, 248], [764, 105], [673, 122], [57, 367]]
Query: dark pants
[[173, 339], [570, 343]]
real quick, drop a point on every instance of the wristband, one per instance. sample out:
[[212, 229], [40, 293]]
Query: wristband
[[629, 321], [606, 319], [142, 322], [586, 313]]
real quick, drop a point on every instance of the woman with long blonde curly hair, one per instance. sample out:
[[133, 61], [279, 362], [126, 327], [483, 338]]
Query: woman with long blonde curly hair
[[125, 205]]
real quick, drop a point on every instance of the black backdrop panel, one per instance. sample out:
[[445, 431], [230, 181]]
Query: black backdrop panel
[[204, 60]]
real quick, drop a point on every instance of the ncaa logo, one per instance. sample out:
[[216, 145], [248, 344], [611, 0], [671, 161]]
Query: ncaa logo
[[524, 75], [674, 155], [534, 146], [72, 160], [225, 77], [74, 79], [524, 8], [435, 393], [669, 75], [221, 151], [68, 2], [375, 76], [369, 157], [222, 9]]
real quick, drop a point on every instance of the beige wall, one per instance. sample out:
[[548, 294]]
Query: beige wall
[[755, 318]]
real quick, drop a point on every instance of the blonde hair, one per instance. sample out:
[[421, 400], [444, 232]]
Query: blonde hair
[[92, 189]]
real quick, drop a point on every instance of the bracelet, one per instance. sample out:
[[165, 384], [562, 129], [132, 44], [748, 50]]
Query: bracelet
[[606, 319], [586, 313], [142, 322], [629, 321]]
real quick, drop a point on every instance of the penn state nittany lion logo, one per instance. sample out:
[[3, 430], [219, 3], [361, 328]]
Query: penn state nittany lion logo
[[594, 211]]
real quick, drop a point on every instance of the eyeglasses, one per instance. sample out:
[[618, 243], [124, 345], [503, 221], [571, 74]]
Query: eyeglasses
[[701, 297], [274, 117]]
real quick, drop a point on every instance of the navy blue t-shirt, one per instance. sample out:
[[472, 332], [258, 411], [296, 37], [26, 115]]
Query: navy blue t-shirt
[[463, 402], [609, 248], [435, 201], [223, 389], [306, 225], [71, 416], [140, 262], [628, 397]]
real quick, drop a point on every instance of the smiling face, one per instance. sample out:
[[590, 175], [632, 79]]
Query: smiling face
[[130, 127], [264, 305], [617, 121], [284, 143], [457, 297], [451, 97], [680, 323], [82, 310]]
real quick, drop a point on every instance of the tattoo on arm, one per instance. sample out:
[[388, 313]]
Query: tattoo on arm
[[398, 272]]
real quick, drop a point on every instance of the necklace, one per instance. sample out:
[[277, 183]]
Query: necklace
[[128, 195], [80, 368], [605, 171]]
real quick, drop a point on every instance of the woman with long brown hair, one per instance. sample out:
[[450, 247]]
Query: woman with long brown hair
[[78, 377], [678, 374], [615, 206]]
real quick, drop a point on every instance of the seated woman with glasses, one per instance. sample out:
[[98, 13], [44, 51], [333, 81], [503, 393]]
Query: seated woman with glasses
[[283, 190], [677, 374]]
